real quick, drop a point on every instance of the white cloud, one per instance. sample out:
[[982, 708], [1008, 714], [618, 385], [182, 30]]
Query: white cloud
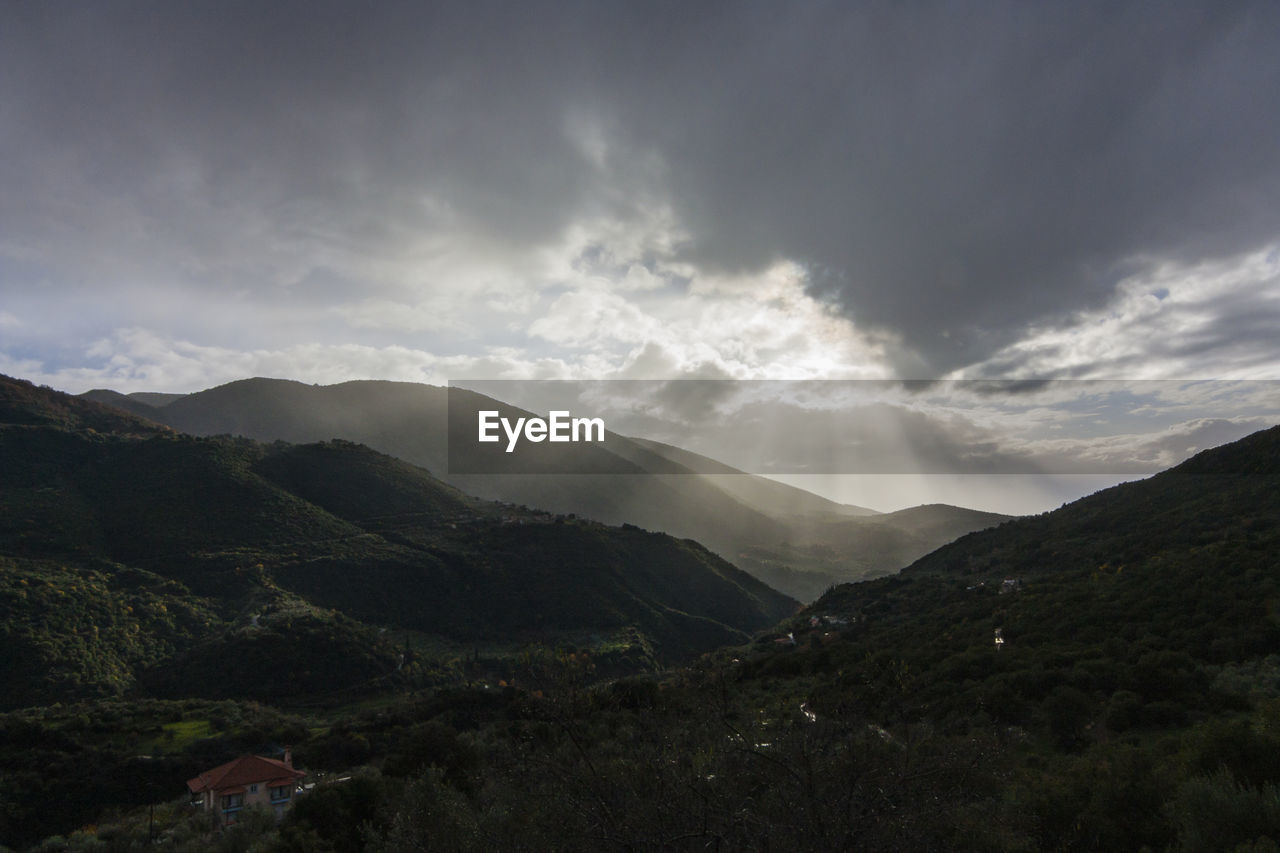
[[593, 317], [1212, 321], [745, 327], [142, 360]]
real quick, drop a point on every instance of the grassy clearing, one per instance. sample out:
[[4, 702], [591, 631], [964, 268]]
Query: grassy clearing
[[183, 733]]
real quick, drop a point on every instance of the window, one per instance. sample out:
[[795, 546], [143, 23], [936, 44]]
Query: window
[[232, 801], [280, 794], [253, 789]]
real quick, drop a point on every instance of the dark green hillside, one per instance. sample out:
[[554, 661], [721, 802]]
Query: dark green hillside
[[356, 483], [156, 502], [22, 403], [281, 565], [1221, 495], [295, 653], [1155, 591], [1129, 706], [67, 631], [277, 409], [1134, 655]]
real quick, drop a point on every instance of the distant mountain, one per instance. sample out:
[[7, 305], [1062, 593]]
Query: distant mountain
[[142, 403], [146, 560], [153, 398], [120, 401], [941, 520], [793, 540]]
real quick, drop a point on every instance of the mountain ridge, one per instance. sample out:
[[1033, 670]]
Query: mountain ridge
[[314, 547], [793, 540], [1194, 499]]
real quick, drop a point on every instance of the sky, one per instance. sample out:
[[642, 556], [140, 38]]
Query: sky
[[200, 192]]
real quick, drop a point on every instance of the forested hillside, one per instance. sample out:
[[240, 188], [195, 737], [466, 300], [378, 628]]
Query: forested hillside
[[1102, 677], [140, 559], [793, 540]]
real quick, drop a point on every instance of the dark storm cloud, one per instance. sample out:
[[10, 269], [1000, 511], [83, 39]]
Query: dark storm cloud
[[960, 169], [339, 118], [946, 171]]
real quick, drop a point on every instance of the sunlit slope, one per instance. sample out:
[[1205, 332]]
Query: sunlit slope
[[794, 540], [768, 496]]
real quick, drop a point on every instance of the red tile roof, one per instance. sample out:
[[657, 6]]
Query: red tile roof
[[245, 770]]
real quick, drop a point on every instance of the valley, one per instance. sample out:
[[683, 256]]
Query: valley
[[459, 674]]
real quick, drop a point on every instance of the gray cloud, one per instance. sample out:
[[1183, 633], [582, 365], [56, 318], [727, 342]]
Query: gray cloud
[[947, 172], [960, 170]]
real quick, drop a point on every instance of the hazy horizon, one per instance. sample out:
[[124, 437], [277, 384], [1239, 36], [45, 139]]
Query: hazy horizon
[[1010, 447]]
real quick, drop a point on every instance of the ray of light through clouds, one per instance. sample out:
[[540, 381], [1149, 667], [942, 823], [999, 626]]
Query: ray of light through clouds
[[195, 193]]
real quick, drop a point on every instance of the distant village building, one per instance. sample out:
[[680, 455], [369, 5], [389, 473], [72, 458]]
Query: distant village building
[[248, 781]]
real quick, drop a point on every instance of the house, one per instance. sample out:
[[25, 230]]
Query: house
[[250, 780]]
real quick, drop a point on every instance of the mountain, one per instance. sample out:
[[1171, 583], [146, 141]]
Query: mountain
[[1114, 665], [1181, 562], [23, 404], [1120, 692], [793, 540], [142, 559], [1218, 495], [127, 402], [153, 398]]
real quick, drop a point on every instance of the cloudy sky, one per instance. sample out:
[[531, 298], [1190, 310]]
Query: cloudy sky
[[200, 192]]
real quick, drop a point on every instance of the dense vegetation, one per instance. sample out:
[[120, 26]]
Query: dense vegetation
[[1104, 677], [147, 560], [64, 767]]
